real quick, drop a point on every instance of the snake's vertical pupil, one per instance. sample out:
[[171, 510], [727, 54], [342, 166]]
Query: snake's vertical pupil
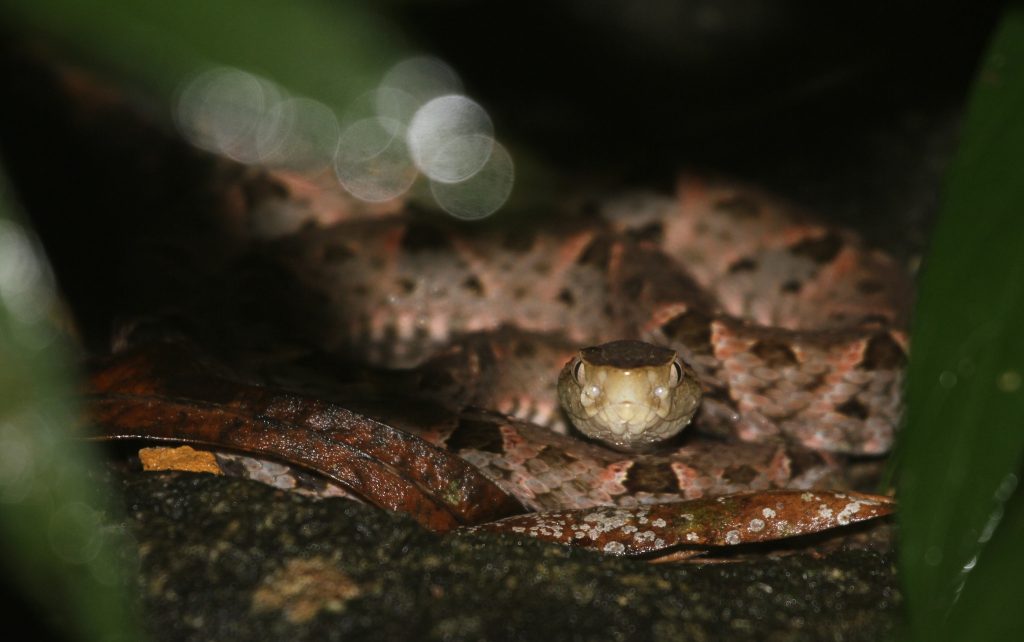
[[577, 371], [677, 373]]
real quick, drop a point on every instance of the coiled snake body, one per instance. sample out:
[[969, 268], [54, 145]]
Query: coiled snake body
[[792, 330]]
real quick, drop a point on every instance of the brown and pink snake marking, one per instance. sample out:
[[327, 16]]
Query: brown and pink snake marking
[[794, 329]]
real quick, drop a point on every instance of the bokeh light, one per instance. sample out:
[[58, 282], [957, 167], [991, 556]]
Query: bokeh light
[[450, 138], [252, 120], [222, 109], [298, 134], [68, 523], [413, 82], [417, 120], [26, 284], [483, 193], [372, 161]]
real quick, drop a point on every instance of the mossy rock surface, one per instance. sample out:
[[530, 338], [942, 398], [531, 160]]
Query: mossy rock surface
[[232, 559]]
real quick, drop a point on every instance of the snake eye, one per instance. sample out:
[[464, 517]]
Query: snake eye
[[577, 371], [677, 373]]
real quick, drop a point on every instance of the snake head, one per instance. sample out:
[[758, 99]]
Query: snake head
[[629, 394]]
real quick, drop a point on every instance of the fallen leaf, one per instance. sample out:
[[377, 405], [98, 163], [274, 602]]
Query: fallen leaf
[[743, 518], [164, 391]]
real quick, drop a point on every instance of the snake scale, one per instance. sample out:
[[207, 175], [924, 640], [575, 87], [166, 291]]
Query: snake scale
[[794, 330]]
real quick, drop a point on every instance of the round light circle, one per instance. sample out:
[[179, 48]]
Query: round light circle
[[411, 83], [300, 134], [483, 193], [371, 162], [450, 138], [222, 109]]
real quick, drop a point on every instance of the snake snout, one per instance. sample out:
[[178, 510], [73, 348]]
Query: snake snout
[[628, 394], [626, 411], [627, 417]]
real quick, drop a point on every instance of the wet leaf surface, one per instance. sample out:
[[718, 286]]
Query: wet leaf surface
[[163, 392], [744, 518]]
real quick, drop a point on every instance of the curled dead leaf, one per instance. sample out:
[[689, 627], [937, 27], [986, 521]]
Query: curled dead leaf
[[743, 518], [163, 392]]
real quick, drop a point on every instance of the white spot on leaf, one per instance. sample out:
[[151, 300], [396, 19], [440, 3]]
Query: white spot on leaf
[[614, 548]]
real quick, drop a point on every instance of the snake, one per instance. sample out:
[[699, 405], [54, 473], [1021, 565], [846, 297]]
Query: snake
[[629, 394], [619, 350]]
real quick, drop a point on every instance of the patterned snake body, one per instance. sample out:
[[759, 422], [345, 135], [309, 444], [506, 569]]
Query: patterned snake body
[[794, 331]]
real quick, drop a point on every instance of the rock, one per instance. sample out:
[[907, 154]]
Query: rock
[[224, 558]]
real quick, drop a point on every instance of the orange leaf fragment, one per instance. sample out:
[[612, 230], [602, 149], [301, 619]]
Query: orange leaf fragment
[[181, 458]]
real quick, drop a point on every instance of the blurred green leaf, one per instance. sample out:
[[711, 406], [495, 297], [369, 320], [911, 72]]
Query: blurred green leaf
[[330, 51], [54, 518], [961, 451], [55, 548], [989, 606]]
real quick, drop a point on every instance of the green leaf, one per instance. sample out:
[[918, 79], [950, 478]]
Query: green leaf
[[330, 51], [961, 450], [989, 606], [54, 517], [50, 510]]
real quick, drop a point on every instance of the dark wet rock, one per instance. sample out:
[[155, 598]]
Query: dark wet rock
[[233, 559]]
